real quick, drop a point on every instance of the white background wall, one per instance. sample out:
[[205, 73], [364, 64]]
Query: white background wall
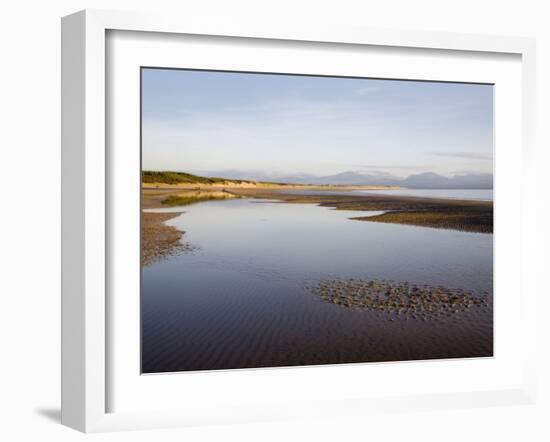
[[30, 220]]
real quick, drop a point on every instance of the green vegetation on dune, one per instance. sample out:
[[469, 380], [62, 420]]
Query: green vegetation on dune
[[148, 176]]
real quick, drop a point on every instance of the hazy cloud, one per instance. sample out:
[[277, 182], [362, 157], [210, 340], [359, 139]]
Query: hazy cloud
[[464, 155], [213, 121], [367, 90]]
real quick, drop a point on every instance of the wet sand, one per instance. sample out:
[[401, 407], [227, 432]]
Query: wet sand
[[158, 240], [274, 326], [463, 215], [395, 300]]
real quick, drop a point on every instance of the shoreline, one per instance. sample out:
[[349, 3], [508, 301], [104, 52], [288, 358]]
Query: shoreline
[[160, 240], [451, 214]]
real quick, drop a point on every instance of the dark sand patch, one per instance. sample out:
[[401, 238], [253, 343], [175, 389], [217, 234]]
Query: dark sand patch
[[466, 219], [463, 215], [159, 240], [400, 300]]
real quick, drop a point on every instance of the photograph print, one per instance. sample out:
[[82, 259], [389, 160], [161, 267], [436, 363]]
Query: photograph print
[[298, 220]]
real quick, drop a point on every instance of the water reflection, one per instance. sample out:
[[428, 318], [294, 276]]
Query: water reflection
[[242, 300], [188, 197]]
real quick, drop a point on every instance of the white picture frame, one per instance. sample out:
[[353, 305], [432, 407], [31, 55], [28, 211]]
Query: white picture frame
[[85, 204]]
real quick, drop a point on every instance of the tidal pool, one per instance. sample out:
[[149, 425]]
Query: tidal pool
[[242, 297]]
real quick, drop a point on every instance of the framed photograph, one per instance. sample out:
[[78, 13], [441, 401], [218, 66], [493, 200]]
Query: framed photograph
[[262, 223]]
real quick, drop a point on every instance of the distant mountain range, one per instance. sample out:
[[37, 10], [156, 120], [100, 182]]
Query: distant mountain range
[[427, 180]]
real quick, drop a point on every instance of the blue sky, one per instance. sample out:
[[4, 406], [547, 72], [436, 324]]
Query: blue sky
[[280, 124]]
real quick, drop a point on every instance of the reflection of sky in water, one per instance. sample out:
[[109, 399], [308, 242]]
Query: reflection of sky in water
[[310, 241], [241, 295]]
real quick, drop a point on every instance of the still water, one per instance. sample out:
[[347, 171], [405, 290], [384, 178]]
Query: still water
[[240, 299]]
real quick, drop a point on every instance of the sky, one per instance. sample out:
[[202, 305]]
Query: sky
[[208, 122]]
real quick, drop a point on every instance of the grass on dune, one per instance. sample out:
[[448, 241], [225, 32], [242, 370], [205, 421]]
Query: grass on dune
[[182, 178]]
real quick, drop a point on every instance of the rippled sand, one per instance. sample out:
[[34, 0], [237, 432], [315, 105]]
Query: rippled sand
[[287, 325]]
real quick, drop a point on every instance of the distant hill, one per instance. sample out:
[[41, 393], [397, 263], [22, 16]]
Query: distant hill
[[428, 180], [434, 181]]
